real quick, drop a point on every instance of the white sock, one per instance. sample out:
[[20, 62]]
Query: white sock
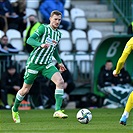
[[125, 114], [19, 97], [59, 91]]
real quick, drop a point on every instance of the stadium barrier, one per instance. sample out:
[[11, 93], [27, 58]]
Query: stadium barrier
[[79, 72], [18, 60]]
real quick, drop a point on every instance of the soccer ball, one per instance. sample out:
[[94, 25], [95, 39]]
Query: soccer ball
[[84, 116]]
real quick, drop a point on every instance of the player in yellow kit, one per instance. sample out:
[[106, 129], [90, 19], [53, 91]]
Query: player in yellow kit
[[127, 50]]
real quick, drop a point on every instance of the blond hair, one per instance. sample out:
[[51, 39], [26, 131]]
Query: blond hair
[[55, 12]]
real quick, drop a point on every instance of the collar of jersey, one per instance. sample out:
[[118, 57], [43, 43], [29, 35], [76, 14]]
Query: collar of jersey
[[51, 27]]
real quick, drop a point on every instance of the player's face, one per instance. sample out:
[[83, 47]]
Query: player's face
[[55, 21]]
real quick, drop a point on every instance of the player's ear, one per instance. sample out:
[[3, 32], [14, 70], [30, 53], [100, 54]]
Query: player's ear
[[50, 18]]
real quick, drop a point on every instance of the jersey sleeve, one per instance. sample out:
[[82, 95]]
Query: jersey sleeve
[[56, 56], [129, 46], [127, 50], [34, 38], [121, 62]]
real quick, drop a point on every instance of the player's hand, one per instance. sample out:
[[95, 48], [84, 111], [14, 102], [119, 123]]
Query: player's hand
[[61, 67], [45, 45], [114, 73]]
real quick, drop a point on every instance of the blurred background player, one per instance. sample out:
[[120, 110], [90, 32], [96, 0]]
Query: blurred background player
[[6, 49], [12, 15], [10, 84], [33, 25], [116, 89], [47, 6]]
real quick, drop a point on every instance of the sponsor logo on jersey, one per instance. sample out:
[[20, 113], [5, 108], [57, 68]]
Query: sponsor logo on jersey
[[51, 41]]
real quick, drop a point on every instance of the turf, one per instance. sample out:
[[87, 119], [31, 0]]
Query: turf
[[41, 121]]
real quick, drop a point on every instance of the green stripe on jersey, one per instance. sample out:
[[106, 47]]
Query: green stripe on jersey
[[46, 35]]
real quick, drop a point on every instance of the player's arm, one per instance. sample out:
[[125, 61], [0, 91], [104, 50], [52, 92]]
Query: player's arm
[[33, 39], [57, 57], [127, 50], [120, 63]]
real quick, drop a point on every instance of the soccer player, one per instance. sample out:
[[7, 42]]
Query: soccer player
[[44, 40], [127, 50]]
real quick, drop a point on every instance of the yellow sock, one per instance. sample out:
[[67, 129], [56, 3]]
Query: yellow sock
[[129, 103]]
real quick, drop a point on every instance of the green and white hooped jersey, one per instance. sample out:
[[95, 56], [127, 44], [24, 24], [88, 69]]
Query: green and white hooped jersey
[[45, 35]]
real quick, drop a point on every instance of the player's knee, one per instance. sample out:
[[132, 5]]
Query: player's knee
[[60, 82], [25, 90]]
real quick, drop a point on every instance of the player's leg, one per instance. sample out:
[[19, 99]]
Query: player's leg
[[59, 92], [127, 109], [29, 77], [53, 74], [19, 97]]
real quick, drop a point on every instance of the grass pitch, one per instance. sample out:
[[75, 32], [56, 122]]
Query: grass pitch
[[41, 121]]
